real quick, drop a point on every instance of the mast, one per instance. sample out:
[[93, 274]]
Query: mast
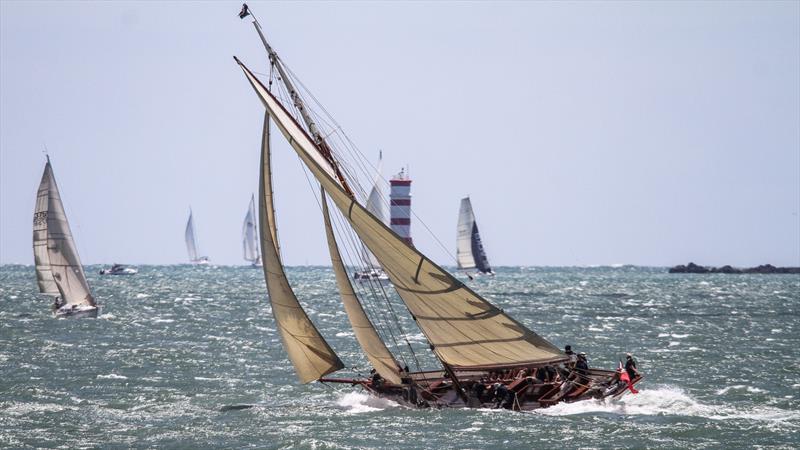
[[322, 145]]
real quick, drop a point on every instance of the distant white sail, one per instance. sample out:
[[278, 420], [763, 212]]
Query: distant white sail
[[250, 234], [470, 252], [377, 206], [58, 267], [191, 243]]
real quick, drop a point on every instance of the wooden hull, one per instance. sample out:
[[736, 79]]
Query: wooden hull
[[434, 390]]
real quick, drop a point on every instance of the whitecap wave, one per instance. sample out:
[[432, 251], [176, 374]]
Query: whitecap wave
[[360, 402], [751, 389], [669, 401], [112, 376]]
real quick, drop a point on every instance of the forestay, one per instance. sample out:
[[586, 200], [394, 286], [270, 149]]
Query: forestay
[[469, 247], [366, 335], [310, 354], [464, 330], [53, 246]]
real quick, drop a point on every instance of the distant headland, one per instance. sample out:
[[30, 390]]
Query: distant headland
[[765, 268]]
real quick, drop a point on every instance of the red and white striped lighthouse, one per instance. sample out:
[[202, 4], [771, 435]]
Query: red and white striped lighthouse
[[400, 205]]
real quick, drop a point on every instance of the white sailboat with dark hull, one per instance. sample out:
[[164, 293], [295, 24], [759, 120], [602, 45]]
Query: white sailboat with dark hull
[[250, 250], [487, 359], [59, 272], [469, 247], [191, 243]]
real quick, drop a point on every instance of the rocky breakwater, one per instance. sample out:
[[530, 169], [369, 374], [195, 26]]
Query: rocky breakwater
[[765, 269]]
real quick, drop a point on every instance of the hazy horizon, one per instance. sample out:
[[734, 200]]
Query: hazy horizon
[[650, 134]]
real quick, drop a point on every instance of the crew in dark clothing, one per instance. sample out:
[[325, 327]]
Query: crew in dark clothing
[[582, 368], [630, 366], [377, 379], [503, 396], [478, 389], [550, 374], [573, 358]]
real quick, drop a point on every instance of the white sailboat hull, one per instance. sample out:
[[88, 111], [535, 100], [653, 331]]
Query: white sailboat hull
[[76, 311], [372, 276]]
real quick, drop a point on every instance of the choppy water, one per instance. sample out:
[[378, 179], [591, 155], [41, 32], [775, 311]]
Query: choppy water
[[176, 347]]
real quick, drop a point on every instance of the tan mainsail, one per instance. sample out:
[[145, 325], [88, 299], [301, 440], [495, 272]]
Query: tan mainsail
[[464, 329], [366, 335], [53, 246], [310, 354]]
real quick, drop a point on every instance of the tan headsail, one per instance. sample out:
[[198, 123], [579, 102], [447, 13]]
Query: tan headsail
[[310, 354], [464, 329], [366, 335], [53, 246]]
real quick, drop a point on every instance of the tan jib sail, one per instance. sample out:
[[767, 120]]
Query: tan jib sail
[[366, 335], [310, 354], [58, 267], [464, 329]]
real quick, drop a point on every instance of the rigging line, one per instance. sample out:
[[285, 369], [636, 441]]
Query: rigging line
[[421, 221], [372, 285], [356, 152], [370, 305], [341, 161], [321, 119], [320, 207], [369, 300]]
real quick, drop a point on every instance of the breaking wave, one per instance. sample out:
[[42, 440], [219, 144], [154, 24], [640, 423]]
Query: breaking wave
[[669, 401], [360, 402]]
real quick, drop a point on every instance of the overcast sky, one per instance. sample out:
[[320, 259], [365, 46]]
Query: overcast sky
[[586, 133]]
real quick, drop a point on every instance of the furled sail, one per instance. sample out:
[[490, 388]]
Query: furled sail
[[249, 234], [464, 329], [191, 241], [470, 253], [310, 354], [366, 335], [58, 267]]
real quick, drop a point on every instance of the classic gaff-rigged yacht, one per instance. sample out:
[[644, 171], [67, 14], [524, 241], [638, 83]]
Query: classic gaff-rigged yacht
[[191, 243], [469, 247], [487, 358], [377, 206], [250, 236], [59, 272]]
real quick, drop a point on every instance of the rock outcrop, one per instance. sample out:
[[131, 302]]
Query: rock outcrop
[[764, 269]]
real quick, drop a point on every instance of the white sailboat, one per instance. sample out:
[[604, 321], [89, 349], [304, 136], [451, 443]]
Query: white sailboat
[[191, 243], [59, 272], [377, 206], [250, 250], [469, 247]]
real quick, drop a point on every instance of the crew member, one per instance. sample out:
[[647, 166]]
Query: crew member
[[630, 366]]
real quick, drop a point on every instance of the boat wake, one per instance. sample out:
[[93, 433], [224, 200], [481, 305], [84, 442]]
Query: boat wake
[[670, 401], [360, 402]]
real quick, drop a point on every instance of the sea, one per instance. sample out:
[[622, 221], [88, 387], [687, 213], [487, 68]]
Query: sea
[[189, 357]]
